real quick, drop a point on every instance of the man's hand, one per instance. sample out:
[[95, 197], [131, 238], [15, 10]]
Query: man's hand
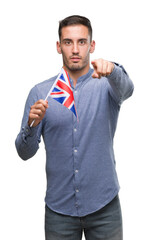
[[37, 112], [102, 68]]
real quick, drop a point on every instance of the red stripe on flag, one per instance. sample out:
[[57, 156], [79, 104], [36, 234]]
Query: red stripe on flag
[[53, 93], [68, 90]]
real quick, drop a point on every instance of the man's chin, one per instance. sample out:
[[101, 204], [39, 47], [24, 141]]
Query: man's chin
[[75, 67]]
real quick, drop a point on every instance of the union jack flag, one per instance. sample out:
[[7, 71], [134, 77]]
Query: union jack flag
[[62, 92]]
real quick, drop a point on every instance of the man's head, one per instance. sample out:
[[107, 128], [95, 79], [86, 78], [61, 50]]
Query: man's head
[[75, 43], [75, 20]]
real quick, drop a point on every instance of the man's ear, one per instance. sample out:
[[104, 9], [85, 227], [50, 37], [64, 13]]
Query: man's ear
[[58, 46], [92, 47]]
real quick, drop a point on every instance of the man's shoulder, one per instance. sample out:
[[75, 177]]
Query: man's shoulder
[[42, 88], [46, 83]]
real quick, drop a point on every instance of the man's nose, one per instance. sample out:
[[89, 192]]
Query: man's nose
[[75, 48]]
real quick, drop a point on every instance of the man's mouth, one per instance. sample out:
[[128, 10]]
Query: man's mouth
[[75, 59]]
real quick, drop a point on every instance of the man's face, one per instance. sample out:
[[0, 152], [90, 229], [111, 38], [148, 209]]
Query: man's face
[[75, 47]]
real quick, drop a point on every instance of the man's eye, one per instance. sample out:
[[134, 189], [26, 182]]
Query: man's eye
[[67, 42], [82, 42]]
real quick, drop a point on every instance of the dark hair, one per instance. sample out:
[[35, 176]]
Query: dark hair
[[75, 20]]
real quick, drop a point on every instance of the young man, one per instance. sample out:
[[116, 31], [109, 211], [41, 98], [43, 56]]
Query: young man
[[82, 184]]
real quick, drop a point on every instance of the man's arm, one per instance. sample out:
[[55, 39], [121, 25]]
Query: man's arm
[[28, 139], [120, 85]]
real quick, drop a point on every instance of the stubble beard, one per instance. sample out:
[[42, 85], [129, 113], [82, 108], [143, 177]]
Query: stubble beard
[[75, 66]]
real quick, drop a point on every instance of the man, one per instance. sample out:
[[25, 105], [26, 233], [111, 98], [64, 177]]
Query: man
[[82, 184]]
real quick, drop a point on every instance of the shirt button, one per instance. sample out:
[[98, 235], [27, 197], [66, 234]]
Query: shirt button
[[75, 150], [75, 91], [76, 171], [75, 129], [77, 190]]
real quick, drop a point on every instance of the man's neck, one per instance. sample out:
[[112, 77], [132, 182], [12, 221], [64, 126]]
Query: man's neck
[[76, 74]]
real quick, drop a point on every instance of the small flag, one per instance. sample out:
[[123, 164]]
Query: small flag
[[62, 92]]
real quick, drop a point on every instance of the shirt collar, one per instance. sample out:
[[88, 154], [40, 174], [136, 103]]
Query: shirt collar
[[83, 77]]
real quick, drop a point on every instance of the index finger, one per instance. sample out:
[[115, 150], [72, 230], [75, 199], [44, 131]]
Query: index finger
[[93, 63]]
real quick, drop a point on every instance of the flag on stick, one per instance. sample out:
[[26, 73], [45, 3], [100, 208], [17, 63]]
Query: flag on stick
[[62, 92]]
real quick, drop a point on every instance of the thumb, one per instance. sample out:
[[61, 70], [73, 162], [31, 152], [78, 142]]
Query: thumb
[[95, 75]]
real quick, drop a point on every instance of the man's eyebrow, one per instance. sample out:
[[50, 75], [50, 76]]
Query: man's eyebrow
[[69, 39], [83, 39], [66, 39]]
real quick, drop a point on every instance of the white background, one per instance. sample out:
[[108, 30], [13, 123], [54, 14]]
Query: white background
[[27, 56]]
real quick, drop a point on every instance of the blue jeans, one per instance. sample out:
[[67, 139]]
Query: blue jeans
[[105, 224]]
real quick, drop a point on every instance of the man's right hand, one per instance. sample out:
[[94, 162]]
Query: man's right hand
[[37, 112]]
